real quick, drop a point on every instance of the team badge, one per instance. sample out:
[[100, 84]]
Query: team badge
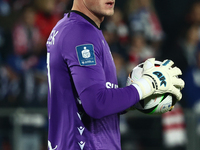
[[86, 56], [86, 53]]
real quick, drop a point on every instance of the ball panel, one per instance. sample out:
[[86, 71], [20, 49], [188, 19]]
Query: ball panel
[[147, 111], [153, 100], [149, 104], [165, 105], [156, 104]]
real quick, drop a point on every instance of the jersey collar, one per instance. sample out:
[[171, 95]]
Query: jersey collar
[[84, 16]]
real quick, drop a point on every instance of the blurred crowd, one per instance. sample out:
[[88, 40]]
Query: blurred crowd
[[24, 28], [134, 33]]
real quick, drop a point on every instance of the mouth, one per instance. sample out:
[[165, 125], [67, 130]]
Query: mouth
[[110, 4]]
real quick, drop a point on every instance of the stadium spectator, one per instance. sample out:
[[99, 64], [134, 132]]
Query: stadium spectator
[[187, 45], [4, 8], [192, 78], [9, 79], [193, 15], [121, 69], [139, 51], [26, 59], [116, 32], [45, 20], [143, 19], [116, 23]]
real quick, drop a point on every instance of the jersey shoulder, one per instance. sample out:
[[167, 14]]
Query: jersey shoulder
[[78, 32], [82, 30], [76, 36]]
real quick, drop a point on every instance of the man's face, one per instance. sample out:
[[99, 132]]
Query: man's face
[[100, 7]]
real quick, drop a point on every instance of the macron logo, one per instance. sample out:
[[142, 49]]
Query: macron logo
[[50, 147], [161, 78], [81, 129], [51, 39], [81, 144]]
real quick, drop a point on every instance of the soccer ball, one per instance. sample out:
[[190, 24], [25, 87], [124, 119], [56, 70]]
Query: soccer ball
[[156, 103]]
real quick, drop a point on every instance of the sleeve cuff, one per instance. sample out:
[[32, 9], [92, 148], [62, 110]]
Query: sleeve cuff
[[138, 89]]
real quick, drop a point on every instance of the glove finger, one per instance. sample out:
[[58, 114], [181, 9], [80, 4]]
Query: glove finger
[[167, 63], [175, 71], [149, 63], [129, 81], [178, 82], [180, 97], [177, 93]]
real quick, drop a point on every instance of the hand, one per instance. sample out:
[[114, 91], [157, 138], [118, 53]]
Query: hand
[[159, 80]]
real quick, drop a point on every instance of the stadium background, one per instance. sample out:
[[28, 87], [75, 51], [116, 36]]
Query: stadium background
[[139, 29]]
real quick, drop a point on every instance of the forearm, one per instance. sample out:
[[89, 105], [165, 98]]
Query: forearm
[[99, 101]]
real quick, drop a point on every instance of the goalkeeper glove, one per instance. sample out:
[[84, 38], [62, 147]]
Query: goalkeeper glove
[[159, 80]]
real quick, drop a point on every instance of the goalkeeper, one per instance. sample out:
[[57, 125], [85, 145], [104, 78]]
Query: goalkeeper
[[84, 102]]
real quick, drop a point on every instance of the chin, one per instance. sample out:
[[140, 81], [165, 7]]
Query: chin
[[109, 13], [105, 14]]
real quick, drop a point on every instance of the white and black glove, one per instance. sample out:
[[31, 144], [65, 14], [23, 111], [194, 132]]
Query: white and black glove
[[159, 79]]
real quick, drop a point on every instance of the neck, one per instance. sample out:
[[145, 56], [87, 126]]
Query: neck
[[79, 6]]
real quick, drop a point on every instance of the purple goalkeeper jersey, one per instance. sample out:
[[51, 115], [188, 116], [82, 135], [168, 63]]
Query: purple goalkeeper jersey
[[84, 101]]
